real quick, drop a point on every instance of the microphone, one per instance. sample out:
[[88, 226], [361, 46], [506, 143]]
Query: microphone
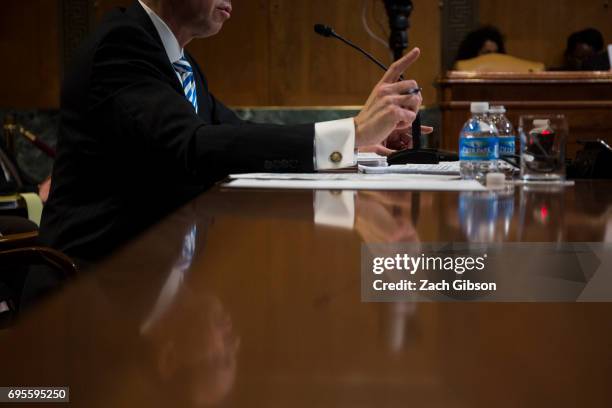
[[322, 29], [415, 155], [327, 31]]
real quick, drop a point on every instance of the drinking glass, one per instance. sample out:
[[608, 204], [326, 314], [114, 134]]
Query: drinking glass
[[543, 140]]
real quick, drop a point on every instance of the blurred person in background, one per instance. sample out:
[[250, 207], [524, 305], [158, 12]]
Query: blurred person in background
[[586, 51], [485, 40]]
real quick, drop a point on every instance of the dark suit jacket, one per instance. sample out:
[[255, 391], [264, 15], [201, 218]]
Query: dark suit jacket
[[131, 147]]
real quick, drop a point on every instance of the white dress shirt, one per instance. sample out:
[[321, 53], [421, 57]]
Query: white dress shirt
[[331, 137]]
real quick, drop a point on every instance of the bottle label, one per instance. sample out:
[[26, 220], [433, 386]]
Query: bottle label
[[478, 148], [507, 146]]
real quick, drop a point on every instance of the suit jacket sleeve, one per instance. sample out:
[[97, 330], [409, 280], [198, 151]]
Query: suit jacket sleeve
[[223, 115], [137, 93]]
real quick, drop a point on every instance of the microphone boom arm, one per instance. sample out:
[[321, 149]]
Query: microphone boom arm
[[416, 154], [364, 52]]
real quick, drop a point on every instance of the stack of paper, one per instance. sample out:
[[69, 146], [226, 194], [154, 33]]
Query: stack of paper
[[444, 168], [371, 160], [352, 181]]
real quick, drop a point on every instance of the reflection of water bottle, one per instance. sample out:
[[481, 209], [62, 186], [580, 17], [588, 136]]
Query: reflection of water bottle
[[478, 144], [486, 217], [507, 136]]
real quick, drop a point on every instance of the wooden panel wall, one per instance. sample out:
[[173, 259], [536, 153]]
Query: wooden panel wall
[[285, 63], [268, 54], [538, 30], [30, 53]]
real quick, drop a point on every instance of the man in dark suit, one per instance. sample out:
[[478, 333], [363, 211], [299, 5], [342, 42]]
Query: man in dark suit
[[140, 133]]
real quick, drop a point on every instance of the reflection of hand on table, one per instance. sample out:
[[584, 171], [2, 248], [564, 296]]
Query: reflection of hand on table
[[384, 217]]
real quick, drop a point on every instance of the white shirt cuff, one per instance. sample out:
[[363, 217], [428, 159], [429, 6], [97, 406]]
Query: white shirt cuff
[[335, 209], [334, 144]]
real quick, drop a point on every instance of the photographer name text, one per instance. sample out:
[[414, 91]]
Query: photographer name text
[[404, 264]]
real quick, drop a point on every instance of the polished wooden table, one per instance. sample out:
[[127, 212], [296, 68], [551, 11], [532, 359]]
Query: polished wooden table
[[241, 299]]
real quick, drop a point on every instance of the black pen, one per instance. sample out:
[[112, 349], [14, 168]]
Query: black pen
[[413, 91]]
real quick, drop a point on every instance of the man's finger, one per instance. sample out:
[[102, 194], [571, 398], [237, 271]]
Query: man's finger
[[410, 102], [403, 127], [378, 149], [400, 66], [383, 151], [426, 130], [401, 87], [400, 141]]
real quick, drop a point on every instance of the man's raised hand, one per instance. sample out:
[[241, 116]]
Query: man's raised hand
[[389, 106]]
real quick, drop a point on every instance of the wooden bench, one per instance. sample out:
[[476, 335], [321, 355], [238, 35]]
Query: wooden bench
[[584, 97]]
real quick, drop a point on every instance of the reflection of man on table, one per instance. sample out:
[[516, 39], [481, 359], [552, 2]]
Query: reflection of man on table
[[140, 132]]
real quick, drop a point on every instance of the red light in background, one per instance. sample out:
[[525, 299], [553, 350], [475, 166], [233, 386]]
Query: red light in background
[[544, 214]]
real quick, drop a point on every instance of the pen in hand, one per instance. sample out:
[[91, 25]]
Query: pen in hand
[[413, 91]]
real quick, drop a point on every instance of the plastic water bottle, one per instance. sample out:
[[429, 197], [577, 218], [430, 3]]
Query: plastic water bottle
[[507, 137], [478, 144]]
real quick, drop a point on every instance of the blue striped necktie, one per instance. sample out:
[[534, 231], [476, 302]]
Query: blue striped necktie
[[183, 67]]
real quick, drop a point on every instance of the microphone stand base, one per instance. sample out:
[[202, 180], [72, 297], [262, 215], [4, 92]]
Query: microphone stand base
[[421, 156]]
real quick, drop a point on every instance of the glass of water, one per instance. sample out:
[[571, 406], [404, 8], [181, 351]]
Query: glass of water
[[543, 140]]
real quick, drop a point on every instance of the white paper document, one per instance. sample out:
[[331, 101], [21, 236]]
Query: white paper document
[[444, 168], [371, 159], [352, 181]]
